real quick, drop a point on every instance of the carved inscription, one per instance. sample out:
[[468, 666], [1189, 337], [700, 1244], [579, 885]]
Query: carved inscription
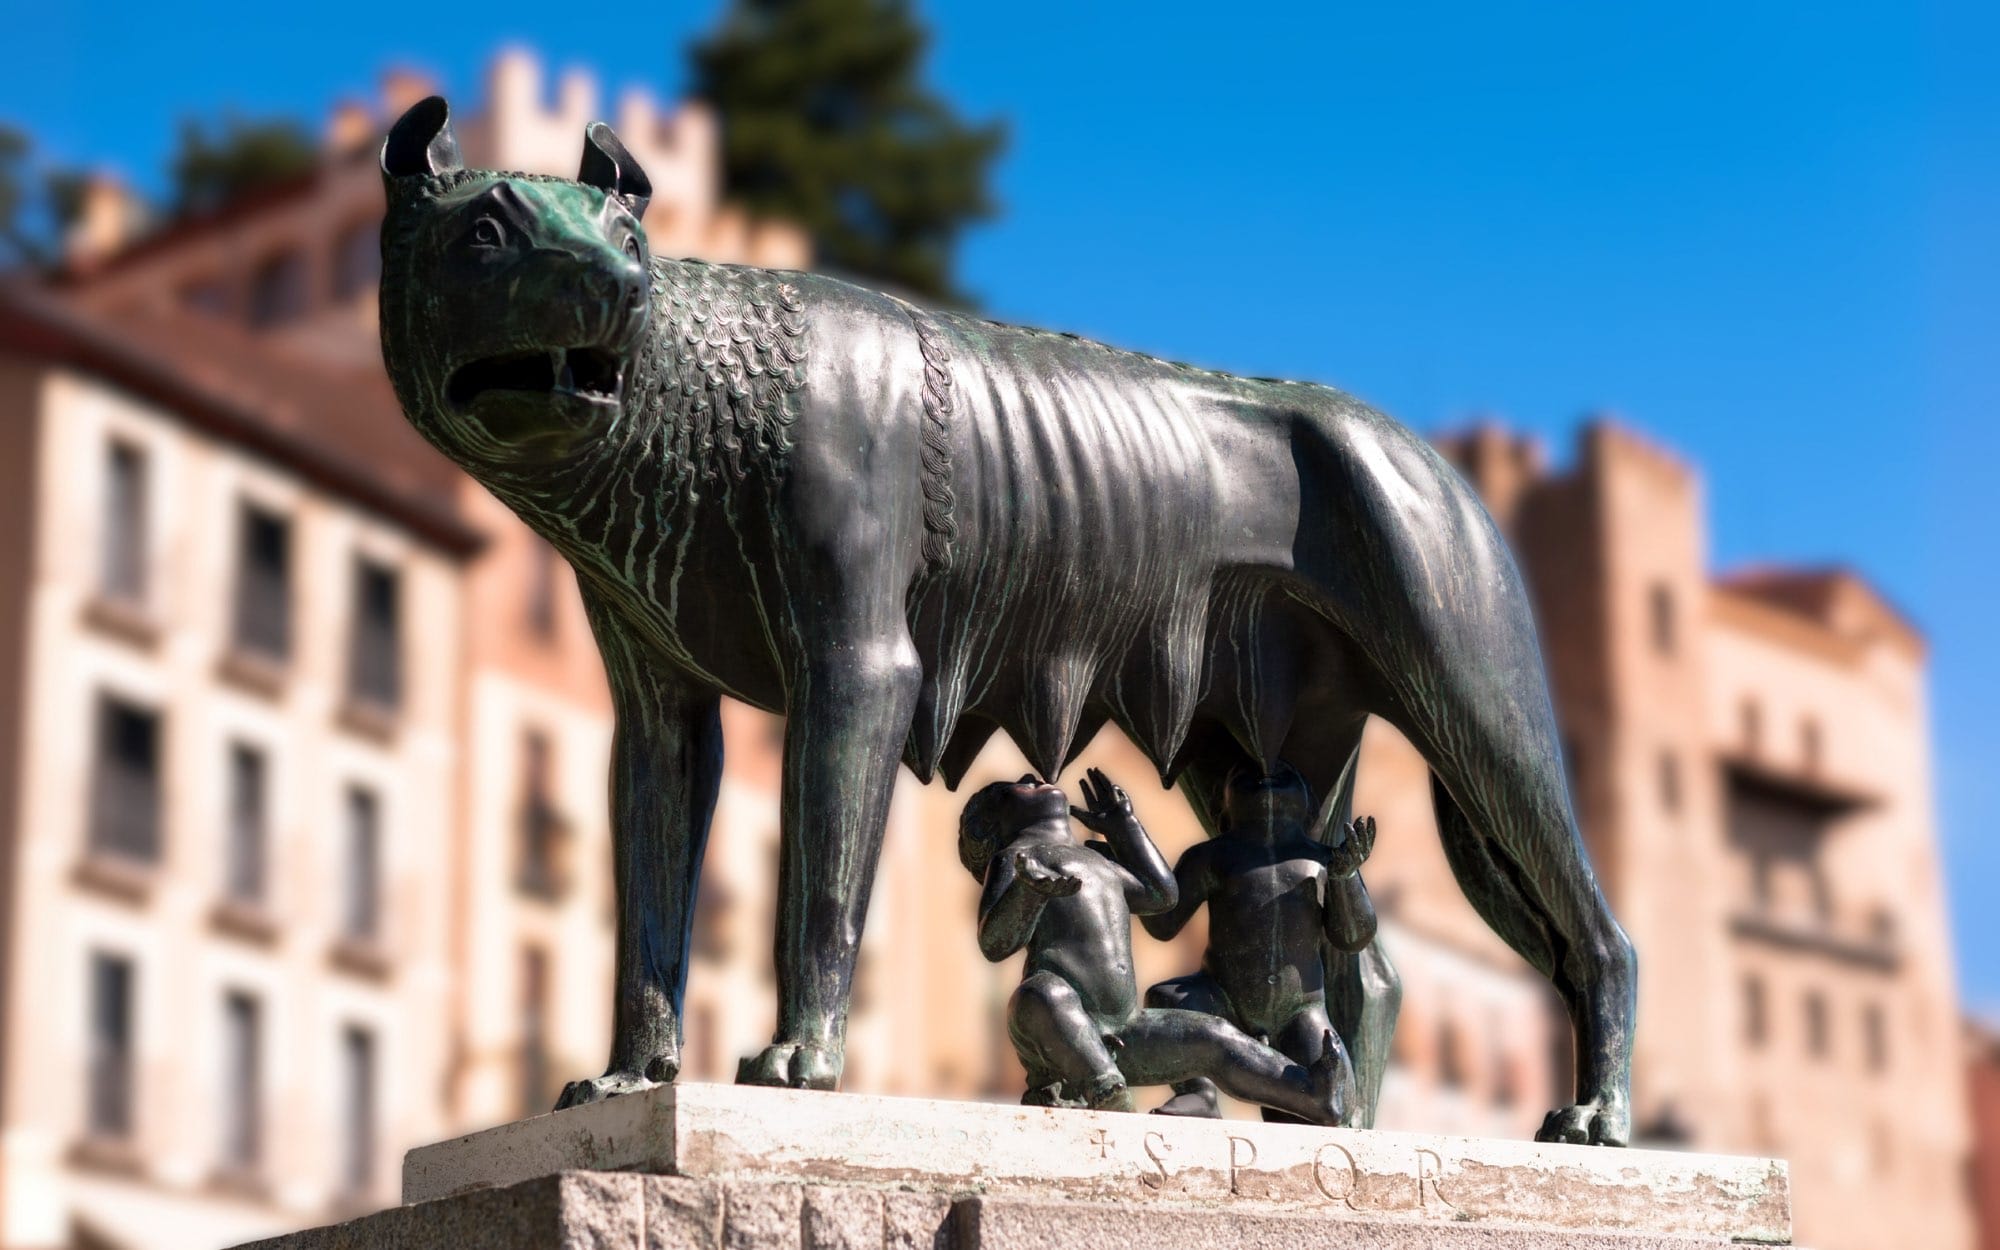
[[1347, 1172], [1238, 1163], [1101, 1138], [1429, 1168], [1331, 1174], [1157, 1150]]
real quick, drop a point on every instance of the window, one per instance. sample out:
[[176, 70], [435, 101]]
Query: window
[[712, 906], [249, 823], [542, 580], [242, 1083], [534, 1031], [122, 560], [1753, 727], [125, 783], [1661, 611], [264, 584], [1451, 1064], [1818, 1041], [1875, 1029], [206, 296], [706, 1041], [541, 828], [357, 260], [357, 1155], [361, 914], [1756, 1020], [1505, 1091], [110, 1056], [1670, 782], [278, 291], [375, 663]]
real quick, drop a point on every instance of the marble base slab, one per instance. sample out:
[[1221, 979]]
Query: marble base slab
[[983, 1157]]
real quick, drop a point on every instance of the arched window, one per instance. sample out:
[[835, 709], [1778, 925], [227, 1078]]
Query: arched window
[[1670, 782], [1818, 1031], [1810, 744], [1875, 1029], [357, 260], [1451, 1062], [278, 291], [1756, 1020], [1661, 613]]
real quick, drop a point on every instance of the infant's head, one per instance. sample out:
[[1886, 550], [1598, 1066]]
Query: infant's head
[[1255, 799], [997, 812]]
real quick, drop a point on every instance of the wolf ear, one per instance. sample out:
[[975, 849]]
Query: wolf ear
[[609, 167], [421, 141]]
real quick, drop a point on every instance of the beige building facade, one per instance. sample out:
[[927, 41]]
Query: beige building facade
[[1749, 755], [220, 815], [302, 737]]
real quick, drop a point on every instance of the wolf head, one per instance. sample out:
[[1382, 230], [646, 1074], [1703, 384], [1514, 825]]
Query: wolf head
[[513, 305]]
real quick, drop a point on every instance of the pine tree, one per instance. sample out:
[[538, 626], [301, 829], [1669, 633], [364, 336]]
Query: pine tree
[[17, 244], [208, 172], [37, 204], [826, 123]]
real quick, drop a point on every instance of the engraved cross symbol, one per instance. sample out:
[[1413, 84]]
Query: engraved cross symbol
[[1101, 1138]]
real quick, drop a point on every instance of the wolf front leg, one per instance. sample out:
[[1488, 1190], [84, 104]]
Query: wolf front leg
[[849, 716], [666, 764]]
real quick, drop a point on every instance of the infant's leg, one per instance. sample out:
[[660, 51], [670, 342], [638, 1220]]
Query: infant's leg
[[1197, 1096], [1166, 1045], [1058, 1041], [1308, 1039]]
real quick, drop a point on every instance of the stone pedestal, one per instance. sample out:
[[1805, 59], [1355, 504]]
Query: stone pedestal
[[757, 1169]]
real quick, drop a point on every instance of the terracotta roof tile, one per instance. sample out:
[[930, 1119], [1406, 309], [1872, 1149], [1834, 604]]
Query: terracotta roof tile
[[339, 426]]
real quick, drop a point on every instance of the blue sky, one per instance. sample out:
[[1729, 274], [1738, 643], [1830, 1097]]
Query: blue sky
[[1765, 233]]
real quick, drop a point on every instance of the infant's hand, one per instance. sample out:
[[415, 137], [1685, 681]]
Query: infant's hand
[[1042, 879], [1353, 849], [1107, 808]]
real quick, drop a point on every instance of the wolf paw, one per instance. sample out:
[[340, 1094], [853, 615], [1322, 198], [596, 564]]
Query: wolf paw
[[610, 1085], [794, 1065], [1588, 1124]]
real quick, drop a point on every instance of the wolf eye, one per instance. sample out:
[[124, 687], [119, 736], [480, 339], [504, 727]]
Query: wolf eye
[[631, 246], [486, 232]]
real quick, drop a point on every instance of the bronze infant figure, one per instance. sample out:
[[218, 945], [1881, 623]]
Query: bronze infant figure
[[1282, 905], [1076, 1020]]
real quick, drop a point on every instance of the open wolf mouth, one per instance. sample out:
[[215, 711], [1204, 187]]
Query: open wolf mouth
[[590, 373]]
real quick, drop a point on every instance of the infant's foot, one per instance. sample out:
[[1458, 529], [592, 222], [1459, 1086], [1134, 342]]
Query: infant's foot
[[1108, 1093], [1332, 1077], [1197, 1100]]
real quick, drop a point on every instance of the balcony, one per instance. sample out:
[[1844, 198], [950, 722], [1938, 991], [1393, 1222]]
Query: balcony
[[1808, 794], [1870, 947]]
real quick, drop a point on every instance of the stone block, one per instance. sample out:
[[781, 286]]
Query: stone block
[[606, 1211], [761, 1217], [682, 1214], [572, 1211], [988, 1223], [834, 1218], [915, 1221]]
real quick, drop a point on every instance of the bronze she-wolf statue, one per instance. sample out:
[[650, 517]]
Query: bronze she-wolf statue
[[906, 528]]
